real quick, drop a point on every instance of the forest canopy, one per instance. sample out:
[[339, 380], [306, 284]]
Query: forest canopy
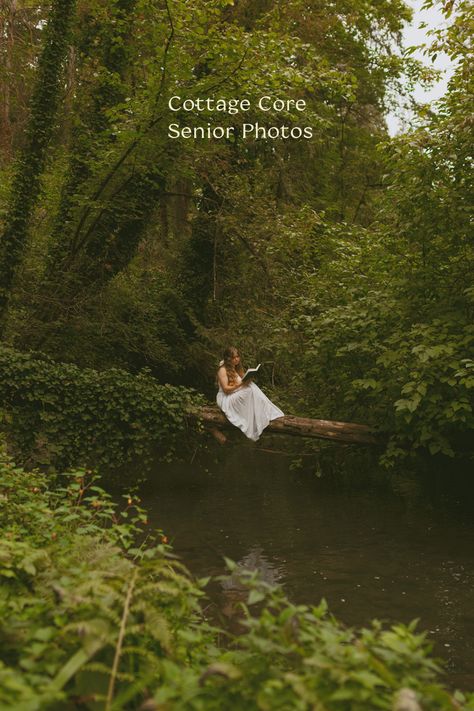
[[343, 259]]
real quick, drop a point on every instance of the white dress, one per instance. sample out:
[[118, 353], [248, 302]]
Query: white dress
[[248, 408]]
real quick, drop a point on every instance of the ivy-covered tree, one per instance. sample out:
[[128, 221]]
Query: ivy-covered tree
[[26, 184]]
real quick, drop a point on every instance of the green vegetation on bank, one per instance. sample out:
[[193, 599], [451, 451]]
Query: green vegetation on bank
[[419, 386], [60, 415], [96, 613]]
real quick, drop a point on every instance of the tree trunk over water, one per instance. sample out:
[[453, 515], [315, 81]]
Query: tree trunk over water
[[347, 432]]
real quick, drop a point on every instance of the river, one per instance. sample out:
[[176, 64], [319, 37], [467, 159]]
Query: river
[[370, 551]]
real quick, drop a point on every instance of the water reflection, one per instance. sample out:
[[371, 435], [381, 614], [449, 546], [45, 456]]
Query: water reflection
[[233, 589], [370, 554], [254, 561]]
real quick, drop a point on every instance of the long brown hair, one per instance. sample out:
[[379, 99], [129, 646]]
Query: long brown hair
[[231, 370]]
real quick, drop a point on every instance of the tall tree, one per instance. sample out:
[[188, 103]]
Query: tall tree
[[26, 184]]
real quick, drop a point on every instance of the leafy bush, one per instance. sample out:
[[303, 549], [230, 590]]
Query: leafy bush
[[94, 614], [427, 377], [85, 612], [412, 379], [58, 414]]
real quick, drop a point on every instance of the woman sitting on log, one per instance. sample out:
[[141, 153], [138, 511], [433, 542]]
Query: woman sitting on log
[[243, 403]]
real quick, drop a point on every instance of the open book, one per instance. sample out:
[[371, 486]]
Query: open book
[[250, 373]]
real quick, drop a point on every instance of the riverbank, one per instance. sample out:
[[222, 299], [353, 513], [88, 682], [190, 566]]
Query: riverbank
[[92, 618]]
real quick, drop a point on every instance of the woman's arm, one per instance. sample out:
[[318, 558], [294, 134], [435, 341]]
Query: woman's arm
[[224, 382]]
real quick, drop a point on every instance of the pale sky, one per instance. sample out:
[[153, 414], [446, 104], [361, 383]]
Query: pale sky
[[413, 35]]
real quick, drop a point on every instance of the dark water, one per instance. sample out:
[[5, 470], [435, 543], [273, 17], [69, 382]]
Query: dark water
[[370, 552]]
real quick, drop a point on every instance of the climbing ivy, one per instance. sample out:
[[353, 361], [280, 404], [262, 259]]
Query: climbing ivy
[[26, 184], [57, 414]]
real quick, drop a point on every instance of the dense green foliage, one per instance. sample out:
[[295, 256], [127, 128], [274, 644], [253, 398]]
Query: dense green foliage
[[95, 614], [59, 415], [343, 262], [32, 159], [413, 378], [397, 343]]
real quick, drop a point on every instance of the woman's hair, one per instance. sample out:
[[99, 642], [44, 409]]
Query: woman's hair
[[231, 370]]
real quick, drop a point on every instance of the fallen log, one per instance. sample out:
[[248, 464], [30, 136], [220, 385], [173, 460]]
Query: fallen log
[[348, 432]]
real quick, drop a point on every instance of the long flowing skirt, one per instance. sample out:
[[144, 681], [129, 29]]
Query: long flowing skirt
[[249, 409]]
